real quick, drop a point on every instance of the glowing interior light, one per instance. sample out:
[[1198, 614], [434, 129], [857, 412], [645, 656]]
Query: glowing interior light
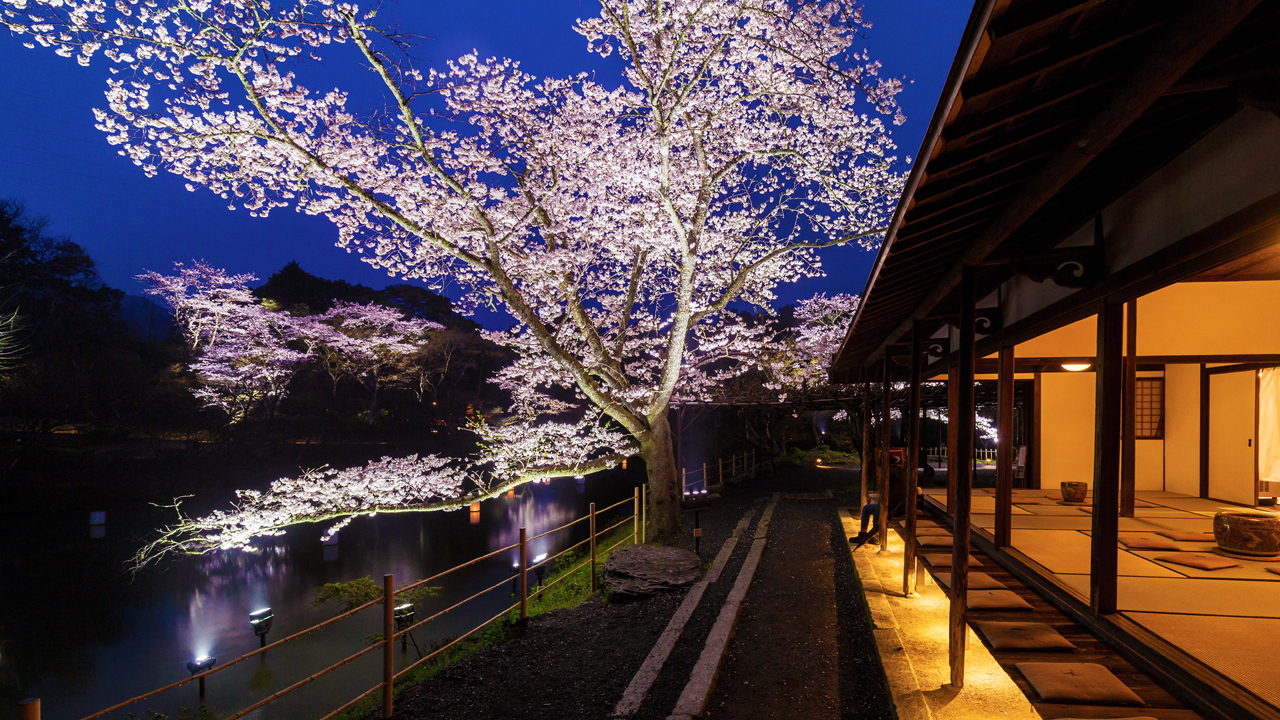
[[1075, 367]]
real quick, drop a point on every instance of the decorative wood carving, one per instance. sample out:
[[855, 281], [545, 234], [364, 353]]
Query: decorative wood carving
[[1071, 267], [985, 322]]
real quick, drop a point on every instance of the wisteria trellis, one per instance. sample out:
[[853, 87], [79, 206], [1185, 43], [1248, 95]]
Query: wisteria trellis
[[615, 223]]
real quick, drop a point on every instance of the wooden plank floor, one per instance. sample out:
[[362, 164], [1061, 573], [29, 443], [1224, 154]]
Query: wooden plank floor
[[1159, 703]]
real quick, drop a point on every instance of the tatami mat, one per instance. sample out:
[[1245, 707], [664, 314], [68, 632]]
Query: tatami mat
[[1243, 649], [1190, 596], [1067, 551]]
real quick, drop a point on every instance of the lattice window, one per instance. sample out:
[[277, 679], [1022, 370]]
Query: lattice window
[[1149, 409]]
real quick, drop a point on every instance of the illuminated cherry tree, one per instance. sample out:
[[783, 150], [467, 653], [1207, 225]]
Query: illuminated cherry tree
[[615, 222], [244, 354]]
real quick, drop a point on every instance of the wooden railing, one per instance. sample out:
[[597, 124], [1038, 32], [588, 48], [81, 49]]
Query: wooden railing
[[699, 478], [31, 709]]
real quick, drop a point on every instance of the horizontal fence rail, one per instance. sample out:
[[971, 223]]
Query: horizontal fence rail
[[386, 644], [700, 478]]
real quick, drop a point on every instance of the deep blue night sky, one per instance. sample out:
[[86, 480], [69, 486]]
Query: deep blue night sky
[[52, 158]]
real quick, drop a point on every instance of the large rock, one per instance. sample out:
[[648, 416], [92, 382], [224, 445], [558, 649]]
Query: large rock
[[642, 570]]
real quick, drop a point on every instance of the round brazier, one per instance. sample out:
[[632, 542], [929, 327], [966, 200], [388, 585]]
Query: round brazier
[[1074, 492], [1247, 532]]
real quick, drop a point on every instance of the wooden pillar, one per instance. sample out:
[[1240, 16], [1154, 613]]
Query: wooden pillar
[[911, 423], [886, 405], [963, 474], [953, 410], [866, 442], [1036, 452], [1005, 450], [1128, 434], [1106, 467]]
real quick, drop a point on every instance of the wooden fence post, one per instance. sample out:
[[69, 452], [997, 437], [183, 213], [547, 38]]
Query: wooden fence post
[[720, 473], [388, 642], [594, 587], [524, 577], [635, 532], [644, 512], [29, 709]]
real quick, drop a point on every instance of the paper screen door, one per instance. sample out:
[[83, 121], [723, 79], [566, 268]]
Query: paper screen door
[[1231, 425], [1269, 432]]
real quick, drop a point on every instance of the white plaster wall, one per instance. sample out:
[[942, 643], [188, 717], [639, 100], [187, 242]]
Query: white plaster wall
[[1182, 429], [1066, 427], [1230, 168]]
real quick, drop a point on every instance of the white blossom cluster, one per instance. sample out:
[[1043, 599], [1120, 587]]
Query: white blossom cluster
[[386, 485]]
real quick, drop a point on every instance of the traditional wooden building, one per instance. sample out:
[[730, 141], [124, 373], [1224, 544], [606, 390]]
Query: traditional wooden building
[[1095, 215]]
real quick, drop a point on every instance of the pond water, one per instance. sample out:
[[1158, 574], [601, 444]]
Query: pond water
[[81, 633]]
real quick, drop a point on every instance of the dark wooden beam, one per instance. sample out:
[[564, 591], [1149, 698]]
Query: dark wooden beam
[[866, 444], [912, 468], [1005, 451], [1036, 435], [1109, 380], [963, 463], [953, 411], [1204, 431], [886, 428], [1128, 433], [1173, 50]]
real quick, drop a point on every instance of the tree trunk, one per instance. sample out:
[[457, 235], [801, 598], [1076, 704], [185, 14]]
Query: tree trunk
[[664, 480]]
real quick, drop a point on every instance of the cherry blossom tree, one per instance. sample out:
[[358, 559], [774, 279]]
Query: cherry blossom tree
[[615, 223], [364, 342], [243, 352]]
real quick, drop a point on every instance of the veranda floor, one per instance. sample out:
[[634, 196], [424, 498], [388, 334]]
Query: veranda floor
[[1227, 619]]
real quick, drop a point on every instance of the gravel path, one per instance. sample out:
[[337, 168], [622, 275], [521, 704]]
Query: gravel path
[[803, 641], [784, 655]]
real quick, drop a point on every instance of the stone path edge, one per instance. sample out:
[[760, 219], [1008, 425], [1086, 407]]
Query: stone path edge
[[645, 677], [694, 697]]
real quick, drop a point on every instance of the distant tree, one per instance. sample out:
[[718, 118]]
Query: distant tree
[[246, 354], [366, 343], [77, 361], [302, 293]]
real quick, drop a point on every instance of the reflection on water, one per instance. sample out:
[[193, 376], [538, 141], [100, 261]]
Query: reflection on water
[[82, 634]]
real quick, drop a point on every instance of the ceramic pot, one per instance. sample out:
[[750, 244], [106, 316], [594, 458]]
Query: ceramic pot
[[1075, 492], [1248, 532]]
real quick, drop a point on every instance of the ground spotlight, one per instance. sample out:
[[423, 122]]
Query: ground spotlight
[[199, 665], [260, 621], [541, 570], [404, 618]]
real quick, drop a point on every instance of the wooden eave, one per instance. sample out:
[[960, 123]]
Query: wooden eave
[[1027, 77]]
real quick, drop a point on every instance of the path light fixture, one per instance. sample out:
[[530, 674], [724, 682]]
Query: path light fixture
[[540, 570], [1075, 367], [260, 621], [199, 665], [404, 618]]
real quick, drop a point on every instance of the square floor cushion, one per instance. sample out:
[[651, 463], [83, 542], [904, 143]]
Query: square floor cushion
[[1077, 684], [944, 560], [997, 600], [1187, 535], [1142, 542], [1022, 636], [977, 581], [1199, 561]]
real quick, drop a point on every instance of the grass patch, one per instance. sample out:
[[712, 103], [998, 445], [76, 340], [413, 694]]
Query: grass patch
[[797, 457]]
